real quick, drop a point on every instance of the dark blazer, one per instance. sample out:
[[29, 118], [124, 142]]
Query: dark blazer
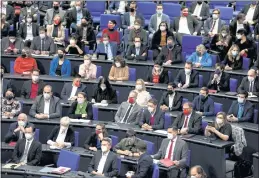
[[12, 136], [8, 84], [176, 54], [233, 28], [163, 78], [256, 32], [247, 114], [126, 19], [91, 140], [256, 12], [235, 65], [194, 125], [23, 30], [208, 25], [159, 119], [70, 137], [223, 83], [223, 50], [157, 38], [5, 43], [245, 84], [208, 106], [67, 89], [100, 95], [26, 88], [9, 14], [89, 111], [5, 30], [132, 50], [33, 12], [193, 24], [194, 78], [71, 16], [90, 37], [177, 102], [101, 49], [48, 44], [110, 167], [34, 153], [144, 167], [205, 10]]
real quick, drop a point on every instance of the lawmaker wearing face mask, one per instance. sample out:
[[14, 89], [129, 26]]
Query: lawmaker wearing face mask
[[73, 48], [137, 51], [138, 31], [60, 65], [61, 136], [46, 106], [88, 69], [10, 106], [143, 95], [233, 60], [250, 83], [200, 58], [104, 92], [241, 110], [27, 151], [221, 128], [12, 44], [53, 12], [112, 32], [239, 23], [197, 172], [16, 130], [158, 74], [93, 142], [119, 70], [56, 31]]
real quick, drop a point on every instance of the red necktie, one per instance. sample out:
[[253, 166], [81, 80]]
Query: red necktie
[[186, 122], [170, 150], [213, 25]]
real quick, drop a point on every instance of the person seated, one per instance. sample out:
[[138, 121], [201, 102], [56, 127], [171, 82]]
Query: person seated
[[137, 31], [188, 121], [200, 58], [241, 110], [143, 95], [119, 70], [128, 110], [10, 106], [250, 83], [152, 117], [203, 104], [71, 89], [200, 10], [197, 171], [60, 65], [11, 44], [221, 42], [237, 24], [54, 12], [85, 34], [118, 7], [16, 129], [171, 100], [137, 51], [158, 74], [174, 149], [144, 163], [171, 53], [256, 33], [112, 32], [43, 44], [73, 48], [25, 64], [104, 161], [251, 12], [93, 142], [46, 106], [56, 30], [5, 26], [88, 70], [187, 77], [8, 10], [128, 146], [5, 84], [219, 80], [159, 39], [29, 9], [233, 60], [61, 136], [27, 151], [104, 92], [81, 108], [220, 129], [106, 46]]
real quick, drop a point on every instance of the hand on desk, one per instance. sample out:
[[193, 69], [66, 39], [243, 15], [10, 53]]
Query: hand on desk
[[96, 173], [146, 127], [211, 129], [197, 64], [41, 116], [164, 108], [183, 131], [200, 113], [84, 115], [61, 144], [73, 98], [93, 148], [232, 118], [185, 86], [176, 163]]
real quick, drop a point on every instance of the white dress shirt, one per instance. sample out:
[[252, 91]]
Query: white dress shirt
[[250, 13], [183, 26], [216, 26], [132, 19], [46, 106], [27, 142], [121, 8], [29, 35], [61, 138], [239, 26], [171, 100], [73, 92], [168, 148], [187, 79], [197, 10], [102, 162]]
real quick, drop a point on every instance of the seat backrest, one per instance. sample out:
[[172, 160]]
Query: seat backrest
[[233, 85], [150, 55], [37, 134], [95, 113], [118, 96], [68, 159], [172, 10], [155, 171], [150, 147], [170, 76], [115, 140], [217, 107], [200, 81], [96, 8], [246, 63], [12, 67], [99, 71], [167, 120], [105, 18], [132, 74], [189, 43], [214, 59], [76, 135], [147, 9], [204, 125], [185, 100], [255, 116]]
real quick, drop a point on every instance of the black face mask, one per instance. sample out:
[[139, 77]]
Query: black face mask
[[132, 10], [170, 92], [60, 56], [199, 2], [23, 55], [84, 24], [28, 5], [56, 7], [9, 97]]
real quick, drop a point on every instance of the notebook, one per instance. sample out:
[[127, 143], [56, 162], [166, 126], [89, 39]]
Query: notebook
[[61, 170]]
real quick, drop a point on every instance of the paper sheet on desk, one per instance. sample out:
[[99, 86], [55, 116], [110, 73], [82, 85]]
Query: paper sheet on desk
[[252, 96], [79, 120], [10, 166], [40, 55], [100, 104], [47, 169], [161, 132]]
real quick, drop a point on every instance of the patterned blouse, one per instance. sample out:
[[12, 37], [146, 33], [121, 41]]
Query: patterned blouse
[[15, 107]]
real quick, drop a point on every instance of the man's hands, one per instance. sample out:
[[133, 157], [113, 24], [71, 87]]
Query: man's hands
[[42, 116], [96, 173], [146, 127], [232, 118], [93, 148], [164, 108], [19, 128]]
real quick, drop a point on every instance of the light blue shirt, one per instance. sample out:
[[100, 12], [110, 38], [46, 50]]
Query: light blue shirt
[[79, 16], [108, 51], [137, 51]]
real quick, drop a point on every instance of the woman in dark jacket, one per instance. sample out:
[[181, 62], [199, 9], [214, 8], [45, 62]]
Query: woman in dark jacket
[[160, 38], [158, 74], [104, 92], [233, 59], [81, 109], [5, 27], [93, 142]]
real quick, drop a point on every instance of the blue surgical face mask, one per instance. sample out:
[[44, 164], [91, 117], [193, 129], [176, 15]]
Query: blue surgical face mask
[[234, 53]]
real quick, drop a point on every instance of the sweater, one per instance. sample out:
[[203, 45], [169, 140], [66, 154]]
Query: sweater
[[24, 65], [119, 72], [114, 35]]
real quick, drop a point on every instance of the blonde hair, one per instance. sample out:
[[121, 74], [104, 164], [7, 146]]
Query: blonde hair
[[230, 56], [65, 121], [201, 46], [142, 83], [87, 57]]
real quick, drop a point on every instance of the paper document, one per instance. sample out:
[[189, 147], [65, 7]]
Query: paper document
[[47, 169], [80, 120], [161, 132], [11, 166], [100, 104]]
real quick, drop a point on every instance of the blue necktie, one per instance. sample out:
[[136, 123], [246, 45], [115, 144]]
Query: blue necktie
[[240, 111]]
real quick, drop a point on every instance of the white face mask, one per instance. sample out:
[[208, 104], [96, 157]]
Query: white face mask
[[42, 36], [150, 109], [105, 42], [187, 71], [117, 64], [72, 42], [80, 100], [87, 62], [223, 34], [46, 96], [219, 121], [170, 136], [28, 136], [214, 16], [234, 53], [162, 28], [104, 148], [138, 87], [137, 44], [4, 3], [35, 78], [193, 177], [239, 36], [240, 100], [29, 20], [12, 40], [21, 123], [251, 79], [136, 27], [103, 87], [159, 12], [78, 8]]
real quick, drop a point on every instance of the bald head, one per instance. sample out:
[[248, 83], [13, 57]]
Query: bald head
[[22, 117]]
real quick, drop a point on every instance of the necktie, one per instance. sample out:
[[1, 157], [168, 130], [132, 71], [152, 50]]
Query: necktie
[[25, 153], [240, 111], [127, 114], [251, 87], [185, 122], [170, 150], [42, 45], [213, 25], [170, 55]]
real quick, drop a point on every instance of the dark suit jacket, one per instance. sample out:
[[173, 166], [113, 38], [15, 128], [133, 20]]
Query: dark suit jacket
[[91, 140], [9, 14], [256, 12], [157, 38], [101, 49], [194, 125], [5, 30], [12, 136], [144, 167], [208, 106], [159, 119], [5, 43], [176, 54], [205, 10], [110, 167], [223, 83], [71, 16], [70, 137], [72, 109], [247, 114], [90, 37], [26, 88], [126, 19], [233, 28], [100, 95], [208, 25], [23, 30], [34, 153], [67, 89], [193, 24], [163, 78], [194, 78], [8, 84], [48, 44], [132, 50], [177, 102], [245, 84]]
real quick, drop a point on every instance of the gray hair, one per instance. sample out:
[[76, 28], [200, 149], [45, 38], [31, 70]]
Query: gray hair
[[23, 115], [134, 92], [107, 139], [48, 86], [65, 121], [201, 46]]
